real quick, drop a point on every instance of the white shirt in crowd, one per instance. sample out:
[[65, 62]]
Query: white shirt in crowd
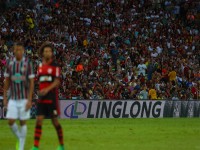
[[72, 39], [88, 20], [47, 17], [159, 49], [150, 48], [130, 76], [142, 69], [3, 29], [154, 54]]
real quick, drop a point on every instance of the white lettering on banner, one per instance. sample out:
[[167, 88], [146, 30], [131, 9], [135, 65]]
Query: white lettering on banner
[[112, 109]]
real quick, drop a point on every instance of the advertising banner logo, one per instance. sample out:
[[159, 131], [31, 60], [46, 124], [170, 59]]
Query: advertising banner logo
[[75, 109]]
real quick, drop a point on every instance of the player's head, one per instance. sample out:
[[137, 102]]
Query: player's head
[[18, 50], [46, 50]]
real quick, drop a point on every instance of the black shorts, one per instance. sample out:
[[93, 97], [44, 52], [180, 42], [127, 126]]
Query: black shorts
[[49, 110]]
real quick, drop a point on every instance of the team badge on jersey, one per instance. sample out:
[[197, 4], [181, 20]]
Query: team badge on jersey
[[18, 78], [49, 70]]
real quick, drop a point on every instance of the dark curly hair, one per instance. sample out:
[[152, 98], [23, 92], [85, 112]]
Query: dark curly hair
[[43, 46]]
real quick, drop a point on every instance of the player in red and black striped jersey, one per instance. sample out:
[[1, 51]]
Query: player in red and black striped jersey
[[48, 73], [49, 80]]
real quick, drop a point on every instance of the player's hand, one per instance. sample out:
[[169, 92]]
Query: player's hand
[[43, 92], [28, 105]]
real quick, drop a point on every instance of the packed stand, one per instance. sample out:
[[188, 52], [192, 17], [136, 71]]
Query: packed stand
[[112, 49]]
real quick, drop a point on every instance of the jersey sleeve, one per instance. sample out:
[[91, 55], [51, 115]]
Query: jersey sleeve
[[58, 72], [7, 70], [30, 70]]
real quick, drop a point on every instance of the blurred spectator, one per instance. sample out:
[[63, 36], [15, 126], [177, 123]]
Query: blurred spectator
[[144, 94], [112, 49], [152, 94]]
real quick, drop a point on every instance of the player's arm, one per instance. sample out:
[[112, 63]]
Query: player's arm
[[53, 85], [6, 87], [30, 95], [31, 77]]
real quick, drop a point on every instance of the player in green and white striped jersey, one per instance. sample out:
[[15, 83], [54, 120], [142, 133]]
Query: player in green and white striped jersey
[[19, 83]]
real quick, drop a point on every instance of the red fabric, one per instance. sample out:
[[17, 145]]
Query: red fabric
[[164, 71], [38, 130], [126, 79], [37, 134], [57, 5], [95, 62], [67, 97], [75, 93], [142, 79], [105, 90], [46, 71], [111, 95], [193, 90], [45, 101]]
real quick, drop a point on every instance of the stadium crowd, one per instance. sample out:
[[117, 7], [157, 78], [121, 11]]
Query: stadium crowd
[[112, 49]]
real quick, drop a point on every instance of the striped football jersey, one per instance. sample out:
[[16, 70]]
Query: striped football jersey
[[19, 73]]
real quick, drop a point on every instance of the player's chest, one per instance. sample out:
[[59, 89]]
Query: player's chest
[[46, 70], [18, 71], [18, 67]]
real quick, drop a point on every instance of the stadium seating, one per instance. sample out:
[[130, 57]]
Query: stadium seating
[[112, 49]]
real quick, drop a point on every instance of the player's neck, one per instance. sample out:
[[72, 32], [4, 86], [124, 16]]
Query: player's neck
[[18, 58], [47, 61]]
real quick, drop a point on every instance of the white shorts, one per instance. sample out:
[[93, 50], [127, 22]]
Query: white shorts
[[17, 110]]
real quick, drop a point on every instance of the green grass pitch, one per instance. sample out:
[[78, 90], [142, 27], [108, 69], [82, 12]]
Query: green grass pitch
[[113, 134]]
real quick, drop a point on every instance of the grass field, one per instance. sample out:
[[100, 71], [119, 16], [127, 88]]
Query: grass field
[[113, 134]]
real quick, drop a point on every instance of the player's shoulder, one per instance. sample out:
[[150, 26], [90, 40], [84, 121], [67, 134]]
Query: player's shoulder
[[26, 60], [10, 60]]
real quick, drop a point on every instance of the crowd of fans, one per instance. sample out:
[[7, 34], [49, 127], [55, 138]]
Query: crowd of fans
[[112, 49]]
